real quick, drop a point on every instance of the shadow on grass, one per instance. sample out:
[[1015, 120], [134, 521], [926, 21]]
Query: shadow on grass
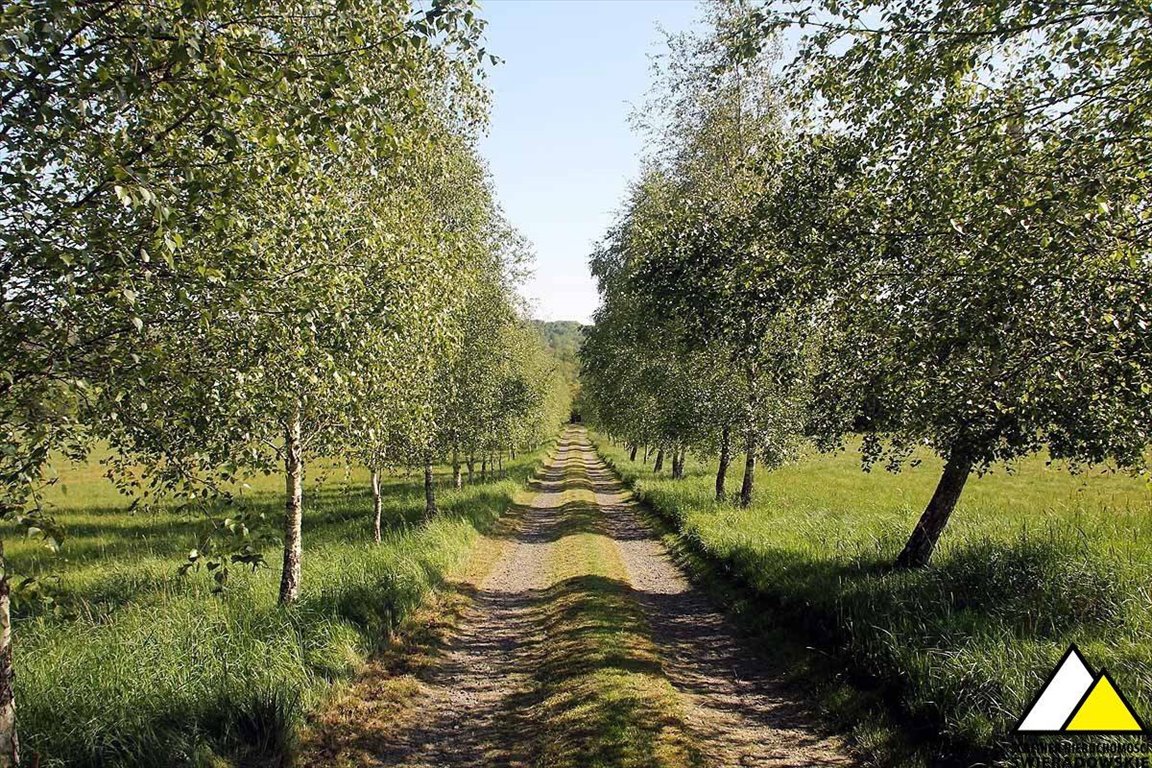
[[604, 693], [600, 697], [884, 626]]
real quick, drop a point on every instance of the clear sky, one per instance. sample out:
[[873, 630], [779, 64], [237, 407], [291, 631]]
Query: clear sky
[[560, 146]]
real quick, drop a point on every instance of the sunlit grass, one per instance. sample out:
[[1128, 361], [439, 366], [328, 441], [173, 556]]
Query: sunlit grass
[[1034, 559], [144, 667]]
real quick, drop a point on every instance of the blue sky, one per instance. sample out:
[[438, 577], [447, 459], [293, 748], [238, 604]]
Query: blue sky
[[560, 146]]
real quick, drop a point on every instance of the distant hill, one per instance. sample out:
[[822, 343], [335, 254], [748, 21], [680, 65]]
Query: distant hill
[[563, 337]]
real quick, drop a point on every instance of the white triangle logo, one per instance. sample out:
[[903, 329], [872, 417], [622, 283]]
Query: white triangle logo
[[1060, 696]]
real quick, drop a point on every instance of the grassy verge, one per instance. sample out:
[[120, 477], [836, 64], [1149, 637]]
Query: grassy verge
[[144, 667], [1035, 560], [601, 696], [361, 720]]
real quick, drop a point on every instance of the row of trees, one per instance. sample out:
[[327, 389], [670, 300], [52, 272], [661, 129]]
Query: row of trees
[[930, 226], [235, 237]]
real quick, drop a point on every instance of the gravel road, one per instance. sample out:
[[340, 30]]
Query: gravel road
[[472, 709]]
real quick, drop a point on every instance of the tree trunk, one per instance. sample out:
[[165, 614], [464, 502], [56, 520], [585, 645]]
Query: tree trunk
[[484, 469], [918, 551], [725, 460], [471, 464], [678, 463], [429, 487], [376, 505], [647, 453], [632, 456], [9, 744], [293, 510], [749, 470], [512, 453], [659, 465], [457, 478]]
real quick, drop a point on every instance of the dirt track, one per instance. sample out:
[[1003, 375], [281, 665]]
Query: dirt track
[[474, 704]]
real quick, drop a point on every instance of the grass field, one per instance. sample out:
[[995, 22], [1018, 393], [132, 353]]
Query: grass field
[[141, 666], [1034, 559]]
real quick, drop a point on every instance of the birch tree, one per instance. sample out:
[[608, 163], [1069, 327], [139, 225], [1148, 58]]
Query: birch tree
[[996, 303], [134, 136]]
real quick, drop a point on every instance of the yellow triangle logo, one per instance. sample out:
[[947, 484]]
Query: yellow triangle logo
[[1103, 710], [1074, 700]]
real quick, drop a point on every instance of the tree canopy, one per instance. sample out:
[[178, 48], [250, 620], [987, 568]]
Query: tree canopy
[[235, 240], [929, 226]]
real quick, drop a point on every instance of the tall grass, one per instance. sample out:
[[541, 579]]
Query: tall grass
[[1035, 559], [145, 667]]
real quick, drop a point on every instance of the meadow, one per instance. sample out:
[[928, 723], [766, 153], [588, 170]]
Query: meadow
[[1034, 559], [135, 664]]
